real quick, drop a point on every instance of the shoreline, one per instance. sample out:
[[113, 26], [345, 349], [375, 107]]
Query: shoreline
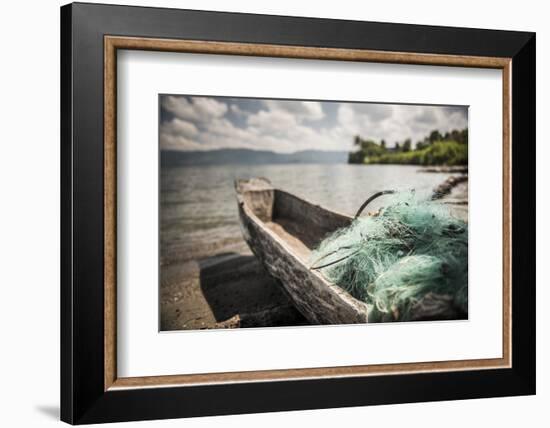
[[458, 169]]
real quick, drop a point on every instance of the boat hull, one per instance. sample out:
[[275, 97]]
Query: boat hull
[[284, 255]]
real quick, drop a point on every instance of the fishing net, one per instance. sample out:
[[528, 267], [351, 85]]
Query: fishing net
[[392, 259]]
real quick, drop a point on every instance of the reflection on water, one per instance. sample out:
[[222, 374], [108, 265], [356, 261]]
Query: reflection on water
[[198, 208]]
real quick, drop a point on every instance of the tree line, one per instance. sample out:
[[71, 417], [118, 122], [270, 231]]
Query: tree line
[[450, 148]]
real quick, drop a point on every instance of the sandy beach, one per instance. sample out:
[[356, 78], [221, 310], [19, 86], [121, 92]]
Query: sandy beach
[[228, 290]]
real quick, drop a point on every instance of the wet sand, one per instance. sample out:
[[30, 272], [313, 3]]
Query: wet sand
[[228, 290]]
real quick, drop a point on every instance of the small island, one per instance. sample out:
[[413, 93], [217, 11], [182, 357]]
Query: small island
[[450, 149]]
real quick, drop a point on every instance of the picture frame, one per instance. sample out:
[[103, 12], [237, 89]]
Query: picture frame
[[91, 35]]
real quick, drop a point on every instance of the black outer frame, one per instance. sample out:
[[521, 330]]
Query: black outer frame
[[83, 399]]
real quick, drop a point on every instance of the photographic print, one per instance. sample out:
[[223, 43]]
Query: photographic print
[[283, 212]]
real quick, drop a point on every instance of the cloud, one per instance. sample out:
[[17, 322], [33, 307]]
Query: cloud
[[301, 110], [178, 134], [281, 116], [395, 123], [199, 109], [234, 108], [426, 116], [180, 127], [206, 123], [273, 121], [361, 118], [374, 112]]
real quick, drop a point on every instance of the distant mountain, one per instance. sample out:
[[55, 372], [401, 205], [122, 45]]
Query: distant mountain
[[247, 157]]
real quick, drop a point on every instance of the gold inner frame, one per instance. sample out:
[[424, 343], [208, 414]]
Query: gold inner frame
[[113, 43]]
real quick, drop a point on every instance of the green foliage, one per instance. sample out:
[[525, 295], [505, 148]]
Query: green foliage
[[356, 157], [367, 148], [439, 153], [436, 149], [435, 136], [458, 136], [422, 144], [370, 148]]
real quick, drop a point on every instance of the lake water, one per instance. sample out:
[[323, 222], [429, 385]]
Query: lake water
[[198, 208]]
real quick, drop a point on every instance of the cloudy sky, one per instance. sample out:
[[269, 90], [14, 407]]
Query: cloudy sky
[[207, 123]]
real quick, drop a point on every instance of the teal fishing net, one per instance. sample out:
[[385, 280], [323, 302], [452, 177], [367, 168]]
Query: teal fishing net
[[394, 258]]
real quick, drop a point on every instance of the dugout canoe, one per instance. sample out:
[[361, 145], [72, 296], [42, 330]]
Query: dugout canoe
[[281, 229]]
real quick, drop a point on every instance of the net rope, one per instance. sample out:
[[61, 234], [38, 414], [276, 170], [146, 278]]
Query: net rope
[[393, 258]]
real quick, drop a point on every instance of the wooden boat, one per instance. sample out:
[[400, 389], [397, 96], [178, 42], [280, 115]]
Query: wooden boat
[[281, 230]]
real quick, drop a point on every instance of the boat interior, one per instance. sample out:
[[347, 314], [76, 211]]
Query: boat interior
[[299, 223]]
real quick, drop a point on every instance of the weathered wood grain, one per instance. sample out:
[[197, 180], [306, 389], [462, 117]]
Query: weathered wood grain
[[266, 216]]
